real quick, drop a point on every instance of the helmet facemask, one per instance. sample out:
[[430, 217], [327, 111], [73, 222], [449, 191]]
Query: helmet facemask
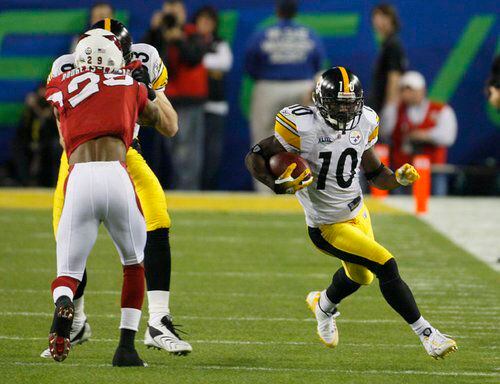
[[338, 113]]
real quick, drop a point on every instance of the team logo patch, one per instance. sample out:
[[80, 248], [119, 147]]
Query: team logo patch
[[355, 137], [88, 50]]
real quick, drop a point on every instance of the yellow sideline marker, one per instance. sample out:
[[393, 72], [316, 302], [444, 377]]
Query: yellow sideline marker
[[39, 198]]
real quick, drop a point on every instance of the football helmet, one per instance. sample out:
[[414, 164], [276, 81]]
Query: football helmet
[[99, 48], [120, 31], [339, 98]]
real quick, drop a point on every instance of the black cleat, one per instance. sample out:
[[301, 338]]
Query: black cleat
[[59, 336], [127, 357]]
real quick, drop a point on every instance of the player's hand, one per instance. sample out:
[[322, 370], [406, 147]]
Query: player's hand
[[406, 174], [141, 75], [287, 184]]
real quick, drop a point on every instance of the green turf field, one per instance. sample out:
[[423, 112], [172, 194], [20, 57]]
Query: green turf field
[[239, 285]]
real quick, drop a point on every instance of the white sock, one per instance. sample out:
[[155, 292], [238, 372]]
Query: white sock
[[158, 304], [130, 319], [79, 316], [62, 291], [420, 326], [325, 304]]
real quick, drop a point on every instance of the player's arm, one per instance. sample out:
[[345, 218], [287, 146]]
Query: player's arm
[[382, 177], [58, 123], [257, 163], [169, 112], [153, 116], [257, 160], [169, 115]]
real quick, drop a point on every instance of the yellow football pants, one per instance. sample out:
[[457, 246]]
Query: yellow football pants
[[147, 187], [353, 242]]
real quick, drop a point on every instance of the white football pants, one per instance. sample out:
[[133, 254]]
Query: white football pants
[[98, 192]]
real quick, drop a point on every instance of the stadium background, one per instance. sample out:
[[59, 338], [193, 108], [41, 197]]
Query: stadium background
[[451, 42]]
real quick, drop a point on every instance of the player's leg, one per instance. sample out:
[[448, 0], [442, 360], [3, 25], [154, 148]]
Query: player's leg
[[353, 243], [76, 235], [127, 228], [157, 258], [350, 277], [80, 329]]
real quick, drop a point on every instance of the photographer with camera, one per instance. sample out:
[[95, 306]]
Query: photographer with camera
[[182, 49]]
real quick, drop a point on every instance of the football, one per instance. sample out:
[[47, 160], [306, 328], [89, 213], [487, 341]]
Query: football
[[279, 162]]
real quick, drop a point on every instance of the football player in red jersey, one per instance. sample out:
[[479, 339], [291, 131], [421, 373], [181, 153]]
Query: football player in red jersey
[[97, 105]]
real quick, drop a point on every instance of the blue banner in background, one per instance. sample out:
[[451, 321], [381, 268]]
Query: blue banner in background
[[452, 43]]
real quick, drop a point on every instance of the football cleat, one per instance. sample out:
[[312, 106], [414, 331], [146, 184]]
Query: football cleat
[[163, 335], [327, 328], [78, 335], [127, 357], [436, 344], [59, 336]]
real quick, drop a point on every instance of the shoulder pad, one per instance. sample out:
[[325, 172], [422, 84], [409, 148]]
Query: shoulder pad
[[145, 53], [62, 64], [371, 116]]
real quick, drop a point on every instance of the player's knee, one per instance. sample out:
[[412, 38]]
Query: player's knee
[[360, 276], [388, 271]]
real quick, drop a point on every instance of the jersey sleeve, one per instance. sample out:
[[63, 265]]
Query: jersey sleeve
[[53, 94], [150, 58], [160, 72], [286, 131], [373, 132], [142, 97], [62, 64]]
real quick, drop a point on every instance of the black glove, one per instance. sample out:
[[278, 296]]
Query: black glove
[[141, 75]]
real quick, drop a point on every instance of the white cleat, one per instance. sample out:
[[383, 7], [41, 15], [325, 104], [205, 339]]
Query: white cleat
[[437, 344], [163, 335], [327, 328], [79, 335]]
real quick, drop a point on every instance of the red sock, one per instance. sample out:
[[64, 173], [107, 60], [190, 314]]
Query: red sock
[[133, 286], [64, 286]]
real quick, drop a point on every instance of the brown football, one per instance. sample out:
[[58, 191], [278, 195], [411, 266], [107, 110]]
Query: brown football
[[279, 163]]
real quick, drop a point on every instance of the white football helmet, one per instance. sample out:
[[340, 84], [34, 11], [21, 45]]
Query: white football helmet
[[99, 48]]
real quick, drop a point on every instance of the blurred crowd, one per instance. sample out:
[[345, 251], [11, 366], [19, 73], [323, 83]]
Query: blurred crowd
[[283, 60]]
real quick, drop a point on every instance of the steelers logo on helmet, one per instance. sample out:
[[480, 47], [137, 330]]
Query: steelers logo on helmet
[[339, 98]]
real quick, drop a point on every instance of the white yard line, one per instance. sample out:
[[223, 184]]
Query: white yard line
[[458, 323], [253, 342], [279, 369], [470, 222]]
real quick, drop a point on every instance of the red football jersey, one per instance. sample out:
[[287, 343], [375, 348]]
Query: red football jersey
[[92, 104]]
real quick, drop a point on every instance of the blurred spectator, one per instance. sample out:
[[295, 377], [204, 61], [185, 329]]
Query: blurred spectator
[[391, 62], [419, 126], [494, 84], [98, 11], [282, 59], [36, 148], [218, 61], [182, 50]]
